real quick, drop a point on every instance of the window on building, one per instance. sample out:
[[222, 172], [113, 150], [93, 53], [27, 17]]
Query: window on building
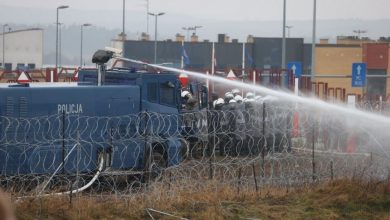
[[31, 66], [20, 66], [8, 66], [376, 86], [152, 92], [167, 94]]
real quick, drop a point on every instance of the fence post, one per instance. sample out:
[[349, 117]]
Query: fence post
[[239, 180], [63, 142], [313, 148], [370, 158], [331, 171], [211, 171], [78, 159], [71, 195], [147, 150], [264, 144], [170, 180], [212, 148], [254, 176]]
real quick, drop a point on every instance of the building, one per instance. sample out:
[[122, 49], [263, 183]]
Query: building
[[194, 38], [334, 66], [145, 36], [179, 37], [333, 61], [353, 40], [22, 49], [259, 52]]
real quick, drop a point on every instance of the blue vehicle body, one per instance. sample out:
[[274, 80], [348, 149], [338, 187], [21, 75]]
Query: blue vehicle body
[[43, 128]]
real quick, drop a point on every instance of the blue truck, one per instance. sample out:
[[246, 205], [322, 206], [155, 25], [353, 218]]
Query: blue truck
[[128, 119]]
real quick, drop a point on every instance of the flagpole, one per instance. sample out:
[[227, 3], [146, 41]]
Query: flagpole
[[254, 79], [207, 80], [243, 66], [243, 59], [213, 64], [182, 55]]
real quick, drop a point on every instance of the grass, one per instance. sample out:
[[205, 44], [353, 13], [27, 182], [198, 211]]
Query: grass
[[341, 199]]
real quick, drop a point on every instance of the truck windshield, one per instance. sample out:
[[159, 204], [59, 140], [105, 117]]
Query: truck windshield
[[167, 94]]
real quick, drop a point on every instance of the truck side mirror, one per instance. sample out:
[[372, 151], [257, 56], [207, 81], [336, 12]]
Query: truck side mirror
[[169, 84]]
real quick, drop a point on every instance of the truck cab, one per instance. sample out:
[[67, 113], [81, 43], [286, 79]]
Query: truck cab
[[131, 119]]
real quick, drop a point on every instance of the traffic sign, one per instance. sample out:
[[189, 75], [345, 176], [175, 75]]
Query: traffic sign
[[359, 74], [296, 68], [231, 75], [24, 77]]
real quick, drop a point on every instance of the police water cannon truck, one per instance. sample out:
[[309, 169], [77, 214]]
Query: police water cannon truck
[[125, 119]]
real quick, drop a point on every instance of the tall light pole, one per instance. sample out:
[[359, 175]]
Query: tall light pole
[[60, 44], [3, 63], [359, 32], [192, 28], [284, 43], [123, 20], [147, 17], [196, 27], [81, 42], [155, 33], [188, 32], [288, 30], [313, 44], [58, 9]]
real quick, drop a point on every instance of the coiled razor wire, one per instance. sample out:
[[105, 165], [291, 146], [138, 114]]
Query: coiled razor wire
[[246, 147]]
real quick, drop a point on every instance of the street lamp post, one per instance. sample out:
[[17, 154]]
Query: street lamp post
[[155, 33], [188, 32], [5, 25], [313, 45], [188, 29], [288, 30], [284, 77], [123, 19], [58, 9], [60, 44], [147, 17], [81, 42], [196, 27], [359, 32]]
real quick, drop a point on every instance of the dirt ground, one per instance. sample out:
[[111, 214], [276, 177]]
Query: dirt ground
[[341, 199]]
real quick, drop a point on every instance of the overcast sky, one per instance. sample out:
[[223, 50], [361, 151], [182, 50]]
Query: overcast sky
[[237, 18], [231, 9]]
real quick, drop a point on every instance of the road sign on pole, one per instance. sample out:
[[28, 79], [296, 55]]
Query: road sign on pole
[[359, 74], [296, 68]]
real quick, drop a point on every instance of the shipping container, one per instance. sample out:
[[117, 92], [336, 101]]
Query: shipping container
[[376, 55]]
